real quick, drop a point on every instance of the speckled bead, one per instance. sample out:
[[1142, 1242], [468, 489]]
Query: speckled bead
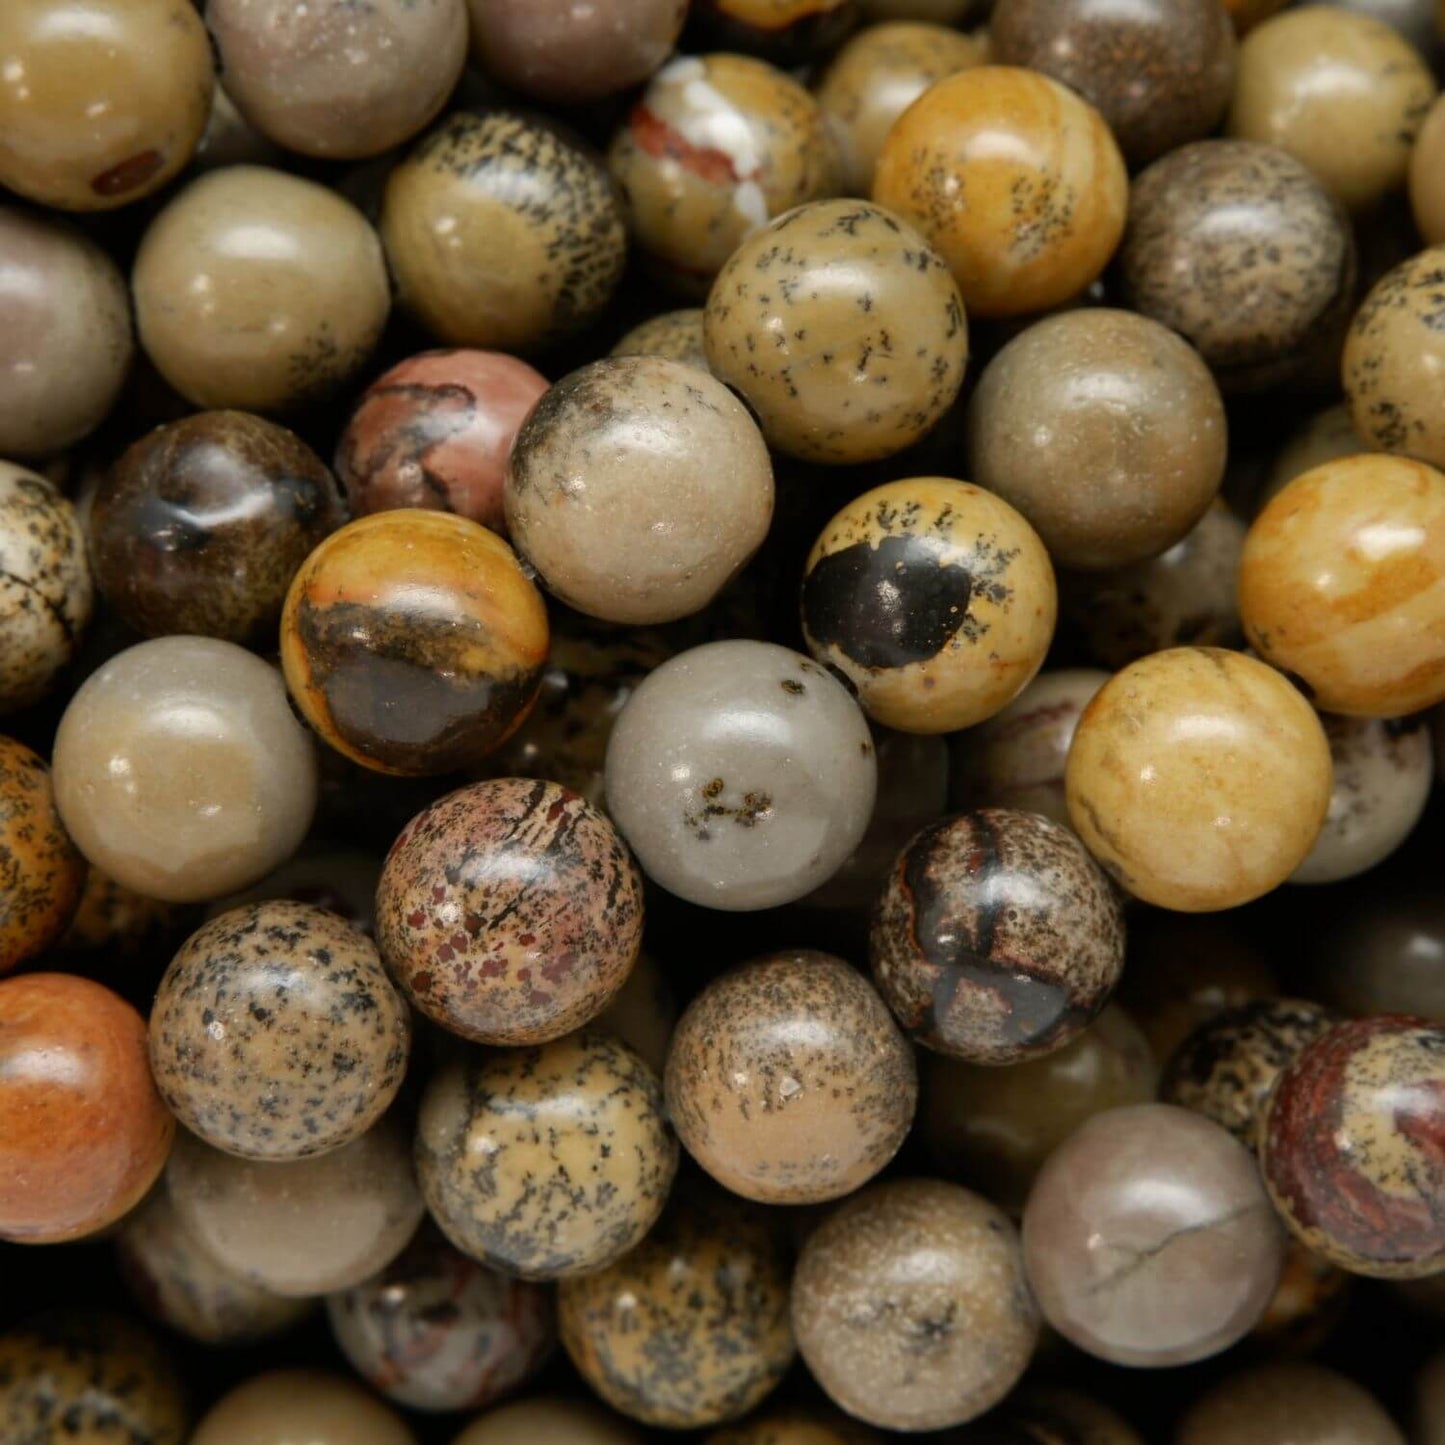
[[1344, 93], [124, 923], [45, 586], [259, 290], [690, 1328], [1270, 254], [437, 1331], [1105, 430], [842, 328], [285, 1406], [276, 1034], [175, 1281], [876, 76], [1226, 1068], [676, 335], [1359, 621], [200, 526], [638, 488], [787, 32], [394, 678], [302, 1227], [1297, 1401], [741, 774], [934, 598], [1348, 1146], [534, 237], [86, 1378], [996, 938], [717, 146], [788, 1080], [510, 912], [910, 1307], [1046, 186], [543, 1418], [1395, 357], [1199, 778], [547, 1162], [1159, 74], [1427, 177]]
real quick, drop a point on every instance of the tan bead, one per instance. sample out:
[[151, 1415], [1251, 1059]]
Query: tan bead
[[1342, 585], [1427, 176], [1043, 206], [1199, 778], [1343, 93], [528, 1422], [288, 1406]]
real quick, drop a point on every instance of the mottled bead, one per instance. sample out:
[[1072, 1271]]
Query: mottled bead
[[547, 1162], [1296, 1403], [1270, 257], [996, 938], [1394, 360], [534, 236], [934, 598], [86, 1378], [101, 101], [842, 328], [910, 1305], [1149, 1240], [691, 1327], [788, 1080], [45, 586], [259, 290], [676, 335], [123, 923], [1042, 208], [200, 526], [1348, 1146], [717, 146], [285, 1407], [276, 1034], [1427, 177], [1105, 430], [413, 641], [510, 912], [544, 1418], [1199, 778], [787, 32], [638, 488], [438, 1331], [741, 774], [83, 1132]]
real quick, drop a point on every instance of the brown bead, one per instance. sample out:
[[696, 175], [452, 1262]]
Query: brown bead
[[1299, 1402], [1427, 177], [285, 1406], [83, 1132], [526, 1422], [786, 32]]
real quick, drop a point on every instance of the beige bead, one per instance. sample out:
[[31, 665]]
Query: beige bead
[[1295, 1401], [286, 1407], [1199, 778], [532, 1422], [1342, 585], [1427, 176]]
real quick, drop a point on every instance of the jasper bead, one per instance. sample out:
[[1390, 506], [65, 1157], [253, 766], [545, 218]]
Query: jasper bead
[[1427, 177], [677, 335], [413, 641], [510, 912], [287, 1406], [83, 1132], [787, 32]]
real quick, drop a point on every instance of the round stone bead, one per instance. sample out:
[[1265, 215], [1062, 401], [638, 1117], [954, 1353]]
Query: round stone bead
[[1427, 177], [286, 1406], [1295, 1401], [544, 1418]]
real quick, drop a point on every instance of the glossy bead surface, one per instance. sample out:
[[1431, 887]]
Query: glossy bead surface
[[435, 432], [1347, 1146], [101, 101], [246, 1007], [181, 771], [338, 80], [905, 1261], [1149, 1240], [285, 1407], [676, 335], [842, 328], [510, 912], [528, 1421], [1199, 778], [1046, 189], [83, 1132], [787, 32], [1343, 93], [1427, 177], [1269, 253], [437, 1331], [934, 598], [200, 526], [638, 488], [413, 642], [1342, 585], [307, 1226], [1299, 1402], [717, 146], [996, 937], [691, 1327], [1394, 361], [579, 1157], [501, 232], [741, 774], [789, 1081]]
